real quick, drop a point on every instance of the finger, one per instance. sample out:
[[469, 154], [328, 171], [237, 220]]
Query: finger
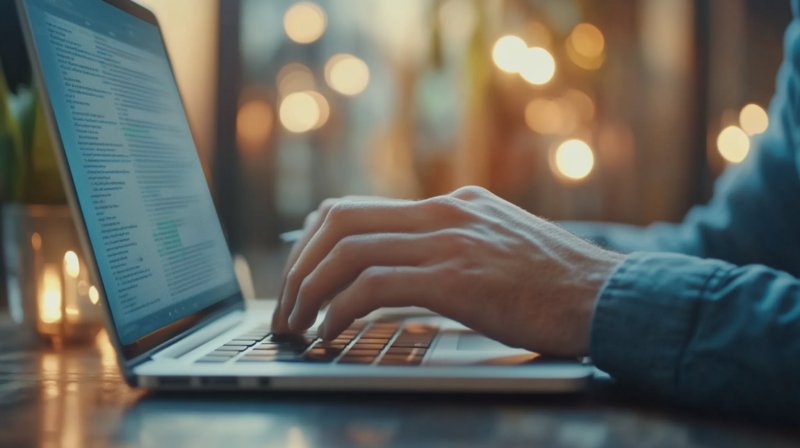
[[350, 218], [349, 258], [378, 287], [310, 227]]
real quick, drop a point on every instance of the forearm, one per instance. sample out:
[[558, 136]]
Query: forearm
[[702, 333]]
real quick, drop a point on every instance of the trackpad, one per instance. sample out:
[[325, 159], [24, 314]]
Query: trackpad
[[478, 343]]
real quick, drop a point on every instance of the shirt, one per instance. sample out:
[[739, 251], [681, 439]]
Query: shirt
[[707, 312]]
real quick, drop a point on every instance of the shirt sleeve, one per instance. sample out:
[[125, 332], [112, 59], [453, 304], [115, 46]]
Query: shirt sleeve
[[702, 333], [709, 314]]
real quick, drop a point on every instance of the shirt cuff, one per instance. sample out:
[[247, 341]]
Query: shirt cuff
[[645, 316]]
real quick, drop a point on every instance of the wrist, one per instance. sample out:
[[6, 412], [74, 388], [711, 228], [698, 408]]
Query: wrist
[[596, 271]]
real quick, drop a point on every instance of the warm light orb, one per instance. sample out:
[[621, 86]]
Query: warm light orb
[[588, 40], [94, 295], [299, 112], [36, 241], [323, 106], [50, 302], [305, 22], [733, 144], [550, 116], [254, 124], [508, 53], [753, 119], [347, 74], [582, 103], [72, 265], [574, 159], [294, 77], [538, 66]]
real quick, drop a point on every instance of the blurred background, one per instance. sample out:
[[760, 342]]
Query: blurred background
[[606, 110]]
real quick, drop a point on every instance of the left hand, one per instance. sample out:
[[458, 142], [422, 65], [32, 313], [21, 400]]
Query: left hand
[[469, 256]]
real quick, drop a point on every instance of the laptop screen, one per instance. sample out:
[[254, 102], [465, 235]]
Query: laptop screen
[[159, 247]]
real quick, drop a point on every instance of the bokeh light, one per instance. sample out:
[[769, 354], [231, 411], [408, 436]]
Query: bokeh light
[[305, 22], [582, 103], [254, 124], [50, 303], [586, 46], [299, 112], [72, 265], [324, 109], [588, 41], [508, 53], [753, 119], [554, 117], [293, 78], [574, 159], [94, 295], [538, 35], [537, 66], [347, 74], [733, 144]]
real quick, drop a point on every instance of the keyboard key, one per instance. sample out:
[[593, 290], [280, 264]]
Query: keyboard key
[[255, 359], [418, 344], [359, 352], [243, 341], [373, 340], [359, 345], [357, 360], [224, 353], [239, 347], [265, 350], [214, 359], [289, 338], [330, 345]]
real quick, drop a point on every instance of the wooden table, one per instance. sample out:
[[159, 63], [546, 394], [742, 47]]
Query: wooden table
[[75, 398]]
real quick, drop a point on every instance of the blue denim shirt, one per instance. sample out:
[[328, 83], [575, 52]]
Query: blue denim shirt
[[707, 312]]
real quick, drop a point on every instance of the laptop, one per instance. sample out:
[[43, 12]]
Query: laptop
[[156, 250]]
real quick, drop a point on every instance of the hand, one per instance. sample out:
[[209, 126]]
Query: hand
[[469, 256]]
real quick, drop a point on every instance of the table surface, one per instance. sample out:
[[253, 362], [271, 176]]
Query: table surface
[[74, 397]]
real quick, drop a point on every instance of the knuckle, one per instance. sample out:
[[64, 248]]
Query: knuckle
[[294, 277], [448, 207], [345, 247], [460, 239], [325, 206], [338, 210], [372, 278], [471, 192]]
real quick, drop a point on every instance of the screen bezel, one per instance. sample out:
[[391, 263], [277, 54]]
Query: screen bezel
[[140, 349]]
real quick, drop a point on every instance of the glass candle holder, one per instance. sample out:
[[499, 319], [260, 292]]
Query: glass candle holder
[[49, 287]]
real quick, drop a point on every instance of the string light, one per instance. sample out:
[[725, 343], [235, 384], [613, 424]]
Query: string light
[[347, 74], [574, 159], [537, 66], [305, 22], [254, 124], [733, 144], [299, 112], [508, 53], [753, 119]]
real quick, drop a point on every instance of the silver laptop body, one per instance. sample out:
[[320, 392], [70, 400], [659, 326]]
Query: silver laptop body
[[154, 244]]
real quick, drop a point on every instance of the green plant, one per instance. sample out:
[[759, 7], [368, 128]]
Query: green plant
[[28, 168]]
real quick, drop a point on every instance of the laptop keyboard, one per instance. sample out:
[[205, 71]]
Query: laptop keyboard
[[385, 343]]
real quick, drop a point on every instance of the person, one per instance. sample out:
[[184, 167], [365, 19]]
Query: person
[[704, 313]]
